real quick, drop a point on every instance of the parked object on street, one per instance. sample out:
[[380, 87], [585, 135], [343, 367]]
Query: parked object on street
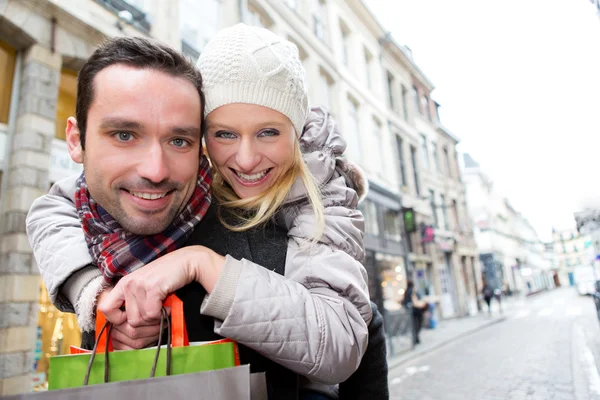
[[584, 279], [596, 296], [586, 287]]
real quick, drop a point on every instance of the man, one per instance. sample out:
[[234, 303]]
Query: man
[[138, 135]]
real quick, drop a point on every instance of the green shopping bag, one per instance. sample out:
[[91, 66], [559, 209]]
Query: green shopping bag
[[76, 370]]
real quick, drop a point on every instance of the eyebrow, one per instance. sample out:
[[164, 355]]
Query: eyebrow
[[188, 131], [125, 124], [119, 123]]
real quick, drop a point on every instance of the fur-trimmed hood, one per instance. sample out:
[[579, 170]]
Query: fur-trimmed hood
[[322, 147]]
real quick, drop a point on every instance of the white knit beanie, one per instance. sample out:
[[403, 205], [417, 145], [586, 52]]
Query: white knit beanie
[[245, 64]]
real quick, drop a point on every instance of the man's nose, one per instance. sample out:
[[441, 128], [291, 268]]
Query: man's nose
[[247, 157], [153, 165]]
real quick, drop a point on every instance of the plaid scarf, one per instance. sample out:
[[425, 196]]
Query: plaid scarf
[[118, 252]]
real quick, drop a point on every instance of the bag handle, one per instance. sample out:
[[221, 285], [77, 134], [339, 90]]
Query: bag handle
[[179, 330], [165, 317]]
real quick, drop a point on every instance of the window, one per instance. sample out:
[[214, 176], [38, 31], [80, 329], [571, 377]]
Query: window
[[433, 208], [352, 133], [7, 69], [436, 162], [319, 16], [424, 151], [413, 159], [370, 214], [368, 67], [400, 150], [67, 99], [456, 168], [378, 146], [390, 85], [444, 211], [436, 112], [391, 225], [425, 110], [404, 104], [258, 17], [326, 87], [345, 43], [455, 215], [293, 4], [447, 161], [415, 96], [198, 22]]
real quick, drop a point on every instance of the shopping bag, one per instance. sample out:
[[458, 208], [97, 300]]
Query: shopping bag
[[225, 384], [75, 370]]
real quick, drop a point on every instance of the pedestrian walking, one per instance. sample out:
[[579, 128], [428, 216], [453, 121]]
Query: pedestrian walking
[[412, 302], [488, 293]]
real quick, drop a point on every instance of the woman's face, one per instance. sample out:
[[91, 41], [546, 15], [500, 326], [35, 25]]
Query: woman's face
[[250, 146]]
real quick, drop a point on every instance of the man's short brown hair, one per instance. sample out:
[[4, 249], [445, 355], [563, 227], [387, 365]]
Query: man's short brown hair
[[135, 52]]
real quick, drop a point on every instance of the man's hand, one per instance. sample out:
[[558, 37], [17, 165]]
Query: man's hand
[[123, 335], [144, 290]]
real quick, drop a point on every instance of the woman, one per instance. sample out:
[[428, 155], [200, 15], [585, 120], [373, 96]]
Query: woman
[[417, 307], [255, 114]]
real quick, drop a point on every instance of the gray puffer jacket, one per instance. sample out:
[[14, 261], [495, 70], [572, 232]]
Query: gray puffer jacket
[[312, 321]]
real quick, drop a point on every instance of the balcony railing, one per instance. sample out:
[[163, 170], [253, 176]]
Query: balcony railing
[[139, 19]]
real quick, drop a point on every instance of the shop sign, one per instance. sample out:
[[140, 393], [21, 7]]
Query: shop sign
[[445, 245], [427, 234]]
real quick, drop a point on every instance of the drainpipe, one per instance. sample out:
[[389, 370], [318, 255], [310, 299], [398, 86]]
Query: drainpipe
[[12, 120]]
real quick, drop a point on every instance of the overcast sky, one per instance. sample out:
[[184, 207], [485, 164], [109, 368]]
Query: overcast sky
[[519, 83]]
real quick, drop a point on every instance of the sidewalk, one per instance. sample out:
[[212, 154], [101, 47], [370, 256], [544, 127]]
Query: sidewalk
[[400, 349]]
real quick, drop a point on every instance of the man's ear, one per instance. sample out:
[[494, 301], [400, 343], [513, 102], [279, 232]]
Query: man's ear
[[73, 137]]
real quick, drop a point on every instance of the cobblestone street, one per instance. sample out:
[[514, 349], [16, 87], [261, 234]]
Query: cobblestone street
[[547, 348]]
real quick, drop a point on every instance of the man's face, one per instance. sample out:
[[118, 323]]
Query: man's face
[[142, 146]]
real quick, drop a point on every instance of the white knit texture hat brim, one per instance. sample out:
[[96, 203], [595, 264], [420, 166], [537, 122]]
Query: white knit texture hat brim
[[258, 93]]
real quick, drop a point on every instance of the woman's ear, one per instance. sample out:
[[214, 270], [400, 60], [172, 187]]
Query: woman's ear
[[73, 137]]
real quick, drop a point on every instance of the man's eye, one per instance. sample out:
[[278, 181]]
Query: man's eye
[[180, 142], [124, 136]]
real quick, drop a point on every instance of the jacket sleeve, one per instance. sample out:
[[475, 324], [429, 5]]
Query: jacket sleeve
[[59, 247], [314, 319]]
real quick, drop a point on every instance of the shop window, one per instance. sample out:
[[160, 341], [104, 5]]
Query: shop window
[[391, 225], [369, 210], [7, 69], [67, 99], [393, 282]]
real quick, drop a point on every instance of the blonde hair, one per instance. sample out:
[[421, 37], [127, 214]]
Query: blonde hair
[[257, 210]]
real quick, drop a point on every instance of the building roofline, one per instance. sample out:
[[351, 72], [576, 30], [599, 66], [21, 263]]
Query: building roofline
[[389, 43]]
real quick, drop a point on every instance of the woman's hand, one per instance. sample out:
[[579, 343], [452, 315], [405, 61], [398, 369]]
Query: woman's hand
[[144, 290]]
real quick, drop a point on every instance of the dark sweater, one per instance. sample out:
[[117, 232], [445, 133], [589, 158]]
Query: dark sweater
[[370, 381], [266, 246]]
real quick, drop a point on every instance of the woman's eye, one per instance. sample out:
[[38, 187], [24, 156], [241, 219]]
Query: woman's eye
[[269, 133], [124, 136], [224, 135], [179, 142]]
